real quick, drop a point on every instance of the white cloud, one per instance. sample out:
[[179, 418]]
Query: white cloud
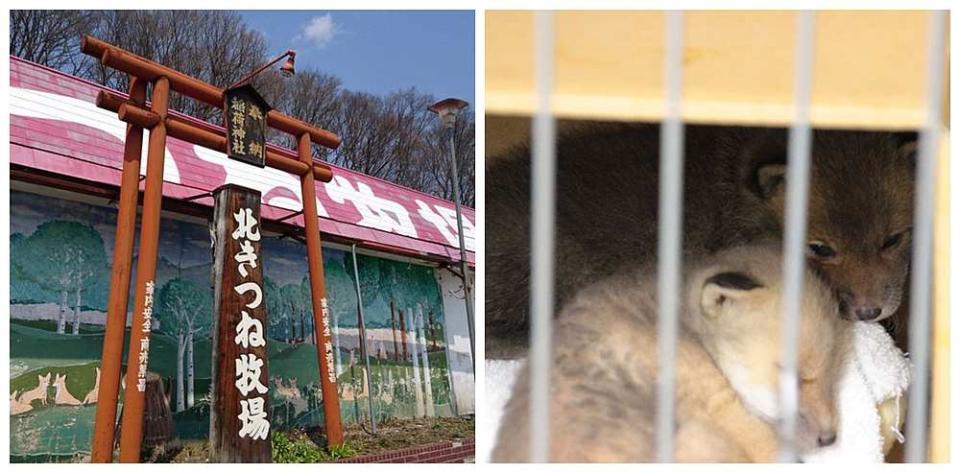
[[320, 30]]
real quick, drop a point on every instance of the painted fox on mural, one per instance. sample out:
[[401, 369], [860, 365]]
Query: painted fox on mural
[[66, 392], [21, 403], [91, 397], [63, 396], [290, 393], [25, 402]]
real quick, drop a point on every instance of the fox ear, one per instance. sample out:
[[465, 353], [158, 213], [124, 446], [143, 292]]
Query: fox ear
[[721, 289], [769, 178], [907, 145]]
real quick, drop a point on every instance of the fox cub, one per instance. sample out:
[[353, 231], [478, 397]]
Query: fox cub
[[859, 219], [604, 369]]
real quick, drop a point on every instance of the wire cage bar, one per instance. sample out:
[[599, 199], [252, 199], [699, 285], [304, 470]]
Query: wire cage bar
[[543, 176], [670, 234], [922, 264], [794, 234]]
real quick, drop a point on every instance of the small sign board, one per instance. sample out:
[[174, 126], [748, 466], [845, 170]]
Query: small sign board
[[240, 404], [245, 118]]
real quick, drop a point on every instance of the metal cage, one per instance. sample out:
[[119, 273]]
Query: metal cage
[[542, 96]]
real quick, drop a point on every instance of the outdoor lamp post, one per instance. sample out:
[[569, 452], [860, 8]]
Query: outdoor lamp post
[[448, 110], [287, 69]]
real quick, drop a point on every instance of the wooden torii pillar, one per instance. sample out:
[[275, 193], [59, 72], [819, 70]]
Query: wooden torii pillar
[[156, 119]]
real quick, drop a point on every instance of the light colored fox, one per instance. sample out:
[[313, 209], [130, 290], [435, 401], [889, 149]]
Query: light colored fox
[[91, 397], [37, 393], [604, 369], [62, 397], [18, 407], [291, 393]]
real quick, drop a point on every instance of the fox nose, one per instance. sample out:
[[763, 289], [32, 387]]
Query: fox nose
[[825, 439], [867, 314]]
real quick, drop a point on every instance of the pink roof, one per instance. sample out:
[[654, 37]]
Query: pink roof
[[56, 126]]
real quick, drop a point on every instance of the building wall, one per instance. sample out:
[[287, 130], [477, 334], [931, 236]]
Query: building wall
[[61, 252], [458, 339]]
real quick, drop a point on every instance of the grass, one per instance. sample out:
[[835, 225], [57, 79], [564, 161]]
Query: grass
[[297, 447]]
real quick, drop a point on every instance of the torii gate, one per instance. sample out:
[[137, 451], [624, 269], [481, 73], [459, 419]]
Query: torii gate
[[138, 117]]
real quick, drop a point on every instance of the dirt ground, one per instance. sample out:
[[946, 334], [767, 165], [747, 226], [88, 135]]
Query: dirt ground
[[391, 435]]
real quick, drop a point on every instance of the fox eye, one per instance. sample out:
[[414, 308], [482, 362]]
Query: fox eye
[[893, 241], [821, 250]]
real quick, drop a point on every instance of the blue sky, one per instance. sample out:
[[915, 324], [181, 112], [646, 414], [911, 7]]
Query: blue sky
[[379, 51]]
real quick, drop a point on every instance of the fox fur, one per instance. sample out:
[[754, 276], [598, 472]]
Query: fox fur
[[604, 367], [860, 208]]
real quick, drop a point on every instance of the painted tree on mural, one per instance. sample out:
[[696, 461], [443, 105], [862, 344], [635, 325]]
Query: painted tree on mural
[[424, 290], [342, 299], [64, 257], [305, 311], [290, 310], [184, 254], [424, 287], [276, 311], [274, 301], [23, 289], [406, 302], [377, 281], [186, 307]]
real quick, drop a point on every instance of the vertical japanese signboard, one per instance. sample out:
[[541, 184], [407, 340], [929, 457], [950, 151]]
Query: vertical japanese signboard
[[245, 118], [145, 327], [239, 414]]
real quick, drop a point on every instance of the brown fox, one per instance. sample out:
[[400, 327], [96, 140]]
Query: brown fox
[[860, 212], [860, 216], [604, 369]]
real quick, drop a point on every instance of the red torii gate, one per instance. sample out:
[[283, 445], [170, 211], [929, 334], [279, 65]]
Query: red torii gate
[[138, 117]]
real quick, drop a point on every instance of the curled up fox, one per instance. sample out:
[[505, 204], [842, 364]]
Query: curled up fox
[[859, 224], [604, 367]]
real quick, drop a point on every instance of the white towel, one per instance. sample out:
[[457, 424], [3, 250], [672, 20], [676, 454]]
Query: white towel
[[877, 371], [500, 376]]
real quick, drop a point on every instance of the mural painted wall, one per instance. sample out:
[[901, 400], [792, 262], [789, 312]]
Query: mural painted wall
[[59, 278], [460, 359]]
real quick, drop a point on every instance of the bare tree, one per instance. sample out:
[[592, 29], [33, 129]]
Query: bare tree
[[437, 165], [311, 96], [213, 46], [49, 37], [392, 137]]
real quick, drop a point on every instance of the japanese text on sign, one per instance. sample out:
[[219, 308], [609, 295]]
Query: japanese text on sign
[[249, 333], [144, 353], [245, 120]]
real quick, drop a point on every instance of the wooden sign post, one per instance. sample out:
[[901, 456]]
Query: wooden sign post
[[240, 405]]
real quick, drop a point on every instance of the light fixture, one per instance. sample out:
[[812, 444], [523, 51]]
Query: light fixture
[[286, 70]]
